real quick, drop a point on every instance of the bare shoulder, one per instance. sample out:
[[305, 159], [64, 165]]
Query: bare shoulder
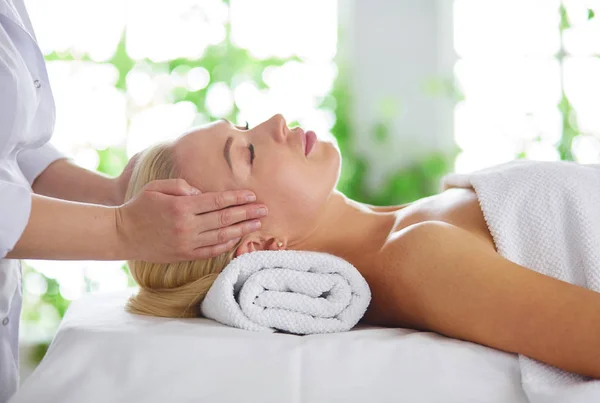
[[439, 277], [429, 240], [425, 243], [401, 270], [432, 266]]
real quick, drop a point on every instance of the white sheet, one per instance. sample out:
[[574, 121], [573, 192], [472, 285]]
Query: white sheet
[[103, 354]]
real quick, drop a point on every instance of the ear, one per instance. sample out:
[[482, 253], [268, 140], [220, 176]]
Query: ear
[[275, 244], [253, 243]]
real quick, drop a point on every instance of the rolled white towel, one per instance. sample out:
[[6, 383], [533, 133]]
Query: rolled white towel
[[293, 291]]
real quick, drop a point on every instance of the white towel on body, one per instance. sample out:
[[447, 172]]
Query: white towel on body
[[545, 216], [292, 291]]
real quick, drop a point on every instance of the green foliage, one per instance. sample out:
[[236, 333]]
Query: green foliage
[[32, 310], [569, 128], [112, 161], [564, 18], [130, 280], [419, 180], [55, 298], [39, 351], [569, 122], [123, 63]]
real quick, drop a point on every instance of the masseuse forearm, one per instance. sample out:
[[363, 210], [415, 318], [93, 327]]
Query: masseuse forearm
[[67, 181], [63, 230]]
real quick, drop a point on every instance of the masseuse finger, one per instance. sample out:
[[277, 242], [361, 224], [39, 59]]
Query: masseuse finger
[[174, 187], [211, 201], [213, 251], [226, 234], [229, 216]]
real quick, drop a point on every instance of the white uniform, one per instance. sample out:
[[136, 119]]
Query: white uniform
[[26, 124]]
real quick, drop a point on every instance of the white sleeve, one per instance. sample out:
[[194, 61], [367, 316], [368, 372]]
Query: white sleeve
[[15, 207], [34, 162]]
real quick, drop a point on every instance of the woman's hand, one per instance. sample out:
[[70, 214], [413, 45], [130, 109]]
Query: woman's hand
[[169, 220], [121, 182]]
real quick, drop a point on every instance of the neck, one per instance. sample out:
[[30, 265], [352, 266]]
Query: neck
[[347, 229]]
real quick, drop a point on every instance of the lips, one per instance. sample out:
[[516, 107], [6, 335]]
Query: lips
[[310, 140]]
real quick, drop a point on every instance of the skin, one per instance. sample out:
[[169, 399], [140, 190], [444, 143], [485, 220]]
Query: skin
[[294, 187], [64, 180], [431, 264]]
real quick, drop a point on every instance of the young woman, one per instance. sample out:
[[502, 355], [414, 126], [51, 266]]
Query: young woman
[[431, 265]]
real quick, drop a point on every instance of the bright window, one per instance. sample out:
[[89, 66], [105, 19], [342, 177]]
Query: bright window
[[530, 76]]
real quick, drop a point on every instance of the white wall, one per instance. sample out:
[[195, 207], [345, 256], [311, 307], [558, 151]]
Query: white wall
[[392, 48]]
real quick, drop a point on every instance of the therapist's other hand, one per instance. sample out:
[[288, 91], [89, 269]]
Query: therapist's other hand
[[170, 221], [121, 182]]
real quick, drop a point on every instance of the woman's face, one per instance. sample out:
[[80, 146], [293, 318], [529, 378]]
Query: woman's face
[[268, 159]]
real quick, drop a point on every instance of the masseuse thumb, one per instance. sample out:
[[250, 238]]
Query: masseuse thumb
[[174, 187]]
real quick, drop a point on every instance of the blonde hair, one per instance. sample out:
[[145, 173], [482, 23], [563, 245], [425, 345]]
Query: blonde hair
[[168, 289]]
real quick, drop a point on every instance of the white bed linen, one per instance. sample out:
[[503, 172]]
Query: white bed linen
[[103, 354]]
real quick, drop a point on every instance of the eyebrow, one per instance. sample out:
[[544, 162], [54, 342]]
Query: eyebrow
[[230, 124], [227, 152]]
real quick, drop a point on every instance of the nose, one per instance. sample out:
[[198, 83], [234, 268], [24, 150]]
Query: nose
[[278, 127]]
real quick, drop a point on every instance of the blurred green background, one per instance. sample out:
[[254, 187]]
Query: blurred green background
[[127, 82]]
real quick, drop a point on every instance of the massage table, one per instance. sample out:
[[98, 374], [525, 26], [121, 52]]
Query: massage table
[[101, 353]]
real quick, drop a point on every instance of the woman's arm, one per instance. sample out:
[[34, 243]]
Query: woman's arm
[[451, 282], [59, 229], [64, 180]]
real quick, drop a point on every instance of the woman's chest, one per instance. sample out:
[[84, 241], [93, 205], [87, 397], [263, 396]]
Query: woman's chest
[[456, 206]]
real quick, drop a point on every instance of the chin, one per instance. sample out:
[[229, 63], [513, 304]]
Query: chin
[[336, 158], [330, 150], [331, 144], [335, 167]]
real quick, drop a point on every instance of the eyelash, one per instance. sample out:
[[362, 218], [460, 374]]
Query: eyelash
[[250, 146]]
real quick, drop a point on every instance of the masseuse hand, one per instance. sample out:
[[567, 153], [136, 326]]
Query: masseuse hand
[[121, 182], [169, 221]]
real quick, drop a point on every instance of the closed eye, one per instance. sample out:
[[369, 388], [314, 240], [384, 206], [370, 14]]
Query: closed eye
[[250, 146], [252, 155]]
